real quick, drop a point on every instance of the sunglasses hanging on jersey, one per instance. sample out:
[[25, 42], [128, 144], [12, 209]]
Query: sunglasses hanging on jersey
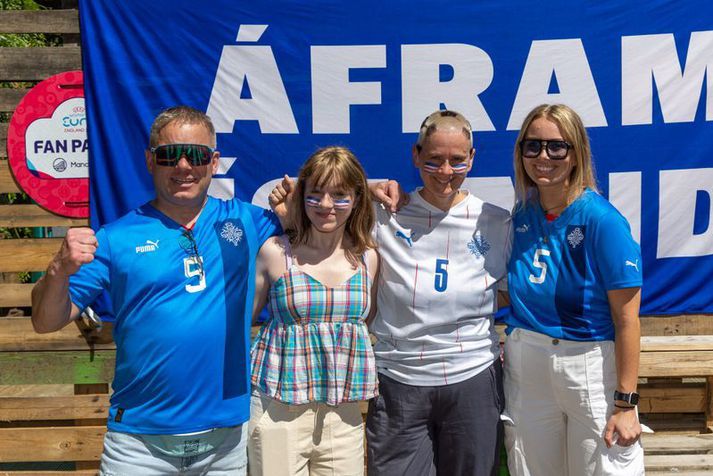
[[168, 155]]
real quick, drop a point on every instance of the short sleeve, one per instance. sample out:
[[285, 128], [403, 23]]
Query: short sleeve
[[617, 255], [266, 223], [92, 278]]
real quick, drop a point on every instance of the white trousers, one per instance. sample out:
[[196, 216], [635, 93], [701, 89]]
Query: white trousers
[[558, 397], [299, 440]]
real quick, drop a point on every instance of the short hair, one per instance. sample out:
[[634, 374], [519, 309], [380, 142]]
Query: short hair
[[572, 129], [336, 166], [437, 120], [180, 115]]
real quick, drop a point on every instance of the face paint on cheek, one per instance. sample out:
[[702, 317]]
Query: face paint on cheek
[[312, 201], [431, 167], [342, 203], [460, 168]]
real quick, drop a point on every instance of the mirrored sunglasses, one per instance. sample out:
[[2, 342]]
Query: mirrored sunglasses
[[555, 149], [168, 155]]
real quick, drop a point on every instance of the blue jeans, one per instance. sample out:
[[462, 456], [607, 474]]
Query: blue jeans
[[129, 455]]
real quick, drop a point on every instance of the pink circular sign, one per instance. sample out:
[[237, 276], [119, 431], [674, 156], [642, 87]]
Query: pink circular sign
[[47, 145]]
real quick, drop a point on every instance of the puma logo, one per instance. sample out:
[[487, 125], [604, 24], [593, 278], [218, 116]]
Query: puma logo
[[402, 235], [633, 264]]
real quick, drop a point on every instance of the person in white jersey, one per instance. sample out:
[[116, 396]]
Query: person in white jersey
[[437, 353]]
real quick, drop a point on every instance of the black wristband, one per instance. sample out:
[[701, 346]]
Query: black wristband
[[625, 407]]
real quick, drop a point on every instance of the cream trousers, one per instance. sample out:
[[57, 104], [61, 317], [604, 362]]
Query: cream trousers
[[310, 439]]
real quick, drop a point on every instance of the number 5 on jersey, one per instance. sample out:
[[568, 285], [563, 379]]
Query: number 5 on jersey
[[539, 264], [441, 279], [193, 267]]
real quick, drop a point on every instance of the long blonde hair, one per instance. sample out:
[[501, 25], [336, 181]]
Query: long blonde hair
[[573, 131], [339, 166]]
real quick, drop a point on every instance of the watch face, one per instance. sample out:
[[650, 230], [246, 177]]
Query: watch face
[[634, 398]]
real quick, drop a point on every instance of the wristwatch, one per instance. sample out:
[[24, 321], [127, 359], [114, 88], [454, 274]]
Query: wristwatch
[[630, 398]]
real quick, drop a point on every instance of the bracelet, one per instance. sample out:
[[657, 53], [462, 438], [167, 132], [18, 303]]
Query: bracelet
[[625, 407]]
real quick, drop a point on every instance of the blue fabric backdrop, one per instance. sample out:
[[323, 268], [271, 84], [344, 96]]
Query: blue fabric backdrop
[[281, 78]]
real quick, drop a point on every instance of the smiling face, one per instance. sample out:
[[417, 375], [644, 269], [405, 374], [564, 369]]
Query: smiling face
[[444, 159], [183, 186], [547, 174], [328, 207]]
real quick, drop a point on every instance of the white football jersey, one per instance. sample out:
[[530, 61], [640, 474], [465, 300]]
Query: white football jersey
[[438, 288]]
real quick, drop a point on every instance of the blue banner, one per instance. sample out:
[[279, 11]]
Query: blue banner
[[281, 78]]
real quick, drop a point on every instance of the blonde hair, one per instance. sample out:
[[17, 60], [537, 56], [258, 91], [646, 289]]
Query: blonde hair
[[440, 119], [572, 129], [336, 166]]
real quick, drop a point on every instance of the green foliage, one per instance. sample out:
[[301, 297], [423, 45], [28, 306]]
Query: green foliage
[[23, 40], [19, 5]]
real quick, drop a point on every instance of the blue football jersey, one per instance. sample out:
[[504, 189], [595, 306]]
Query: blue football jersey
[[183, 307], [560, 271]]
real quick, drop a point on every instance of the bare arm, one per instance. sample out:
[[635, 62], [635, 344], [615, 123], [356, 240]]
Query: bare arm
[[624, 305], [52, 308], [374, 265], [270, 264]]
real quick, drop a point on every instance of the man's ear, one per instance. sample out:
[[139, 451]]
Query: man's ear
[[214, 163], [149, 161]]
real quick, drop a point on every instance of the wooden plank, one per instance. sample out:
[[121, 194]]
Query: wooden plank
[[9, 99], [677, 473], [676, 343], [39, 21], [34, 215], [709, 404], [38, 63], [29, 254], [51, 444], [15, 295], [676, 364], [690, 324], [679, 398], [56, 390], [661, 443], [21, 368], [18, 335], [7, 182], [674, 423], [679, 463], [3, 142], [76, 407]]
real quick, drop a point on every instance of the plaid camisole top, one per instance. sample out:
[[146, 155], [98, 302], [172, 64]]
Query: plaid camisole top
[[315, 346]]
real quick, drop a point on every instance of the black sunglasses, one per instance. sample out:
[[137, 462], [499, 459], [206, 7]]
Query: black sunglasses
[[168, 155], [189, 245], [555, 149]]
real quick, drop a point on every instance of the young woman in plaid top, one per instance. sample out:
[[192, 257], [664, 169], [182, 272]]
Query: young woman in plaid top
[[312, 360]]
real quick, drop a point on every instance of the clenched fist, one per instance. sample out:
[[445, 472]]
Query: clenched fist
[[78, 248]]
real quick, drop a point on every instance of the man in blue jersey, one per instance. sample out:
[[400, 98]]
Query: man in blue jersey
[[180, 273]]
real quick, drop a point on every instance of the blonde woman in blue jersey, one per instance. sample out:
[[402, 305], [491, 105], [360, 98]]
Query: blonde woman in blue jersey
[[574, 278]]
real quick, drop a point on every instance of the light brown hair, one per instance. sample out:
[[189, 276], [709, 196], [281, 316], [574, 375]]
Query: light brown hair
[[180, 115], [573, 132], [336, 166]]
